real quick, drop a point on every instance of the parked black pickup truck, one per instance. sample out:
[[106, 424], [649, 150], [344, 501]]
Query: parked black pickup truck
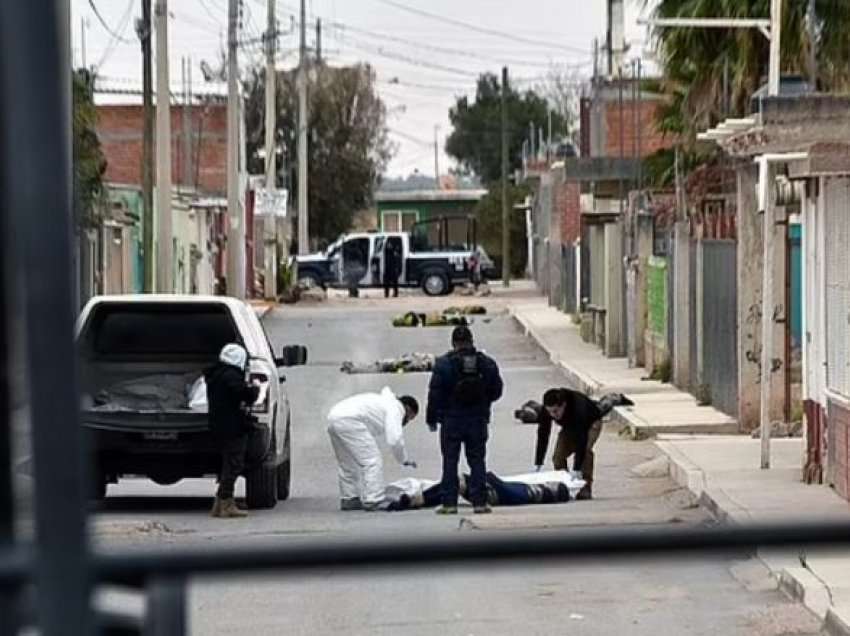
[[435, 256]]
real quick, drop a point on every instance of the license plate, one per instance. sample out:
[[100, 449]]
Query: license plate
[[160, 436]]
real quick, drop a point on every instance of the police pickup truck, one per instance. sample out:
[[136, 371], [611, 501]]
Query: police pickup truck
[[435, 256]]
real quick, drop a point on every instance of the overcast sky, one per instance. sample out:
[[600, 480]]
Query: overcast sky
[[421, 62]]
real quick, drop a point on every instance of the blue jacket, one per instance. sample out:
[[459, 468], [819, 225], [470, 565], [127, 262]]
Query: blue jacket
[[441, 405]]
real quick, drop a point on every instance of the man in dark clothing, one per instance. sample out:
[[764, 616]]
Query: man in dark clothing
[[464, 385], [580, 419], [392, 267], [227, 397]]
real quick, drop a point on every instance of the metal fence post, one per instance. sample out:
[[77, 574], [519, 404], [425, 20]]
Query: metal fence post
[[35, 84], [166, 614]]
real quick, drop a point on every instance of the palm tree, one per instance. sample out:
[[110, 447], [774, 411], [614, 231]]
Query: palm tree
[[711, 73]]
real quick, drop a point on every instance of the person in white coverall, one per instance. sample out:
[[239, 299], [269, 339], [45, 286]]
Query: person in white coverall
[[356, 426]]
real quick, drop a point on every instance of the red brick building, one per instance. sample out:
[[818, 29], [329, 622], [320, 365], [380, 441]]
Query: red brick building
[[120, 129]]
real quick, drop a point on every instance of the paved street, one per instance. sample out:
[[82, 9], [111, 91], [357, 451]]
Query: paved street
[[721, 594]]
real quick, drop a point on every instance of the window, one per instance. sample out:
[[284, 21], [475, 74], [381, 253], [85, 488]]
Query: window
[[195, 330], [398, 221]]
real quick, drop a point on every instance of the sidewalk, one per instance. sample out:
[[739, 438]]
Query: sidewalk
[[720, 469], [659, 408], [724, 473]]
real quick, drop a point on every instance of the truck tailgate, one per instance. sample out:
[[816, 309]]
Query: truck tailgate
[[126, 420]]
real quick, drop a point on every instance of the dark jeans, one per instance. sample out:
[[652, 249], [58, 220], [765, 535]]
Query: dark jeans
[[472, 434], [232, 464], [508, 493], [390, 283]]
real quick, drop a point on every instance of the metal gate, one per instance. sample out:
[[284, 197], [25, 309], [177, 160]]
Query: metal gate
[[693, 332], [719, 323], [838, 285]]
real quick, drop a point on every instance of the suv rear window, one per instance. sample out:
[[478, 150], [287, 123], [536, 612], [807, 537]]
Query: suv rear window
[[132, 329]]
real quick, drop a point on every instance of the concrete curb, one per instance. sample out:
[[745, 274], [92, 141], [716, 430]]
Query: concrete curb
[[625, 417], [801, 585], [682, 471], [798, 583], [575, 378], [836, 623]]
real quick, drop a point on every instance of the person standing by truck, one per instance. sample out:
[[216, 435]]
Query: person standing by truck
[[392, 266], [463, 387], [228, 399]]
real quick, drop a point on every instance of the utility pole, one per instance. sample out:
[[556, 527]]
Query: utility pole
[[775, 69], [83, 25], [303, 218], [437, 157], [164, 282], [506, 218], [595, 58], [187, 123], [318, 40], [145, 32], [769, 259], [549, 137], [235, 214], [640, 119], [609, 38], [812, 23], [270, 220]]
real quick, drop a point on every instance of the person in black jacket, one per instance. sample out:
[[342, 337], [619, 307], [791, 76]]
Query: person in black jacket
[[580, 419], [464, 385], [228, 395], [392, 267]]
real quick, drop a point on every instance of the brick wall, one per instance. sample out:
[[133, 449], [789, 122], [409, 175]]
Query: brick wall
[[119, 128], [644, 115], [839, 454], [567, 204]]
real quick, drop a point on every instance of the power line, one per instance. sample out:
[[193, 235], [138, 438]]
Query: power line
[[209, 11], [103, 23], [440, 49], [411, 138], [113, 41], [393, 55], [427, 87], [473, 27]]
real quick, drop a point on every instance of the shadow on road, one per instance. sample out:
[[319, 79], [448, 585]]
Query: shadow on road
[[155, 504]]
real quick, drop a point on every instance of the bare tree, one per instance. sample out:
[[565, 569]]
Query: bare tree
[[562, 88]]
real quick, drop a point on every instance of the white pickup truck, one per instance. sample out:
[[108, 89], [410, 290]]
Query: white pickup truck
[[141, 356], [434, 256]]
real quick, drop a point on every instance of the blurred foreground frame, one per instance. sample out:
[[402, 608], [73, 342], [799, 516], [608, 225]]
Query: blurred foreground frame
[[49, 582]]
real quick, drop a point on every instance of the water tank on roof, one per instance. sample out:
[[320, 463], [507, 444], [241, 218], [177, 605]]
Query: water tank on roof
[[789, 86]]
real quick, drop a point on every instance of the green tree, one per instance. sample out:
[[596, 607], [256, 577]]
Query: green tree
[[696, 62], [349, 146], [489, 215], [89, 161], [476, 140]]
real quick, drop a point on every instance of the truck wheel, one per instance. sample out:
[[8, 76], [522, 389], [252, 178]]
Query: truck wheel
[[261, 487], [284, 471], [309, 280], [435, 283]]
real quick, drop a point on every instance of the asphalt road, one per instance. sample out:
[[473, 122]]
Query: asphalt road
[[717, 594]]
